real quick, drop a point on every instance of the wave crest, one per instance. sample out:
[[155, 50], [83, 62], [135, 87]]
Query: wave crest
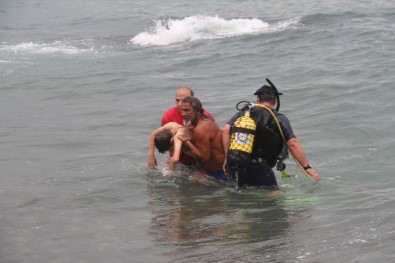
[[199, 27]]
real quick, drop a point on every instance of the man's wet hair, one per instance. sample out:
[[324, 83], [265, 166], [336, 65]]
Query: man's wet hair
[[163, 141], [195, 103]]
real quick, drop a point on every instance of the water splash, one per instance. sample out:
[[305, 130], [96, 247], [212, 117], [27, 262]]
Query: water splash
[[200, 27]]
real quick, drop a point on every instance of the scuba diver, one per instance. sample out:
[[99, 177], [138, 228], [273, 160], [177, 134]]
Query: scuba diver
[[257, 138]]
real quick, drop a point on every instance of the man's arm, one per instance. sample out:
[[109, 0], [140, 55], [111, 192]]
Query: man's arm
[[225, 143], [193, 151], [297, 152]]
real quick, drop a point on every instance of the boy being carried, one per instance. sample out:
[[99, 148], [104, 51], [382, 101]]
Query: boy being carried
[[164, 138]]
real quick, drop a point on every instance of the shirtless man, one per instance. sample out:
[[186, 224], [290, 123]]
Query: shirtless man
[[170, 135], [207, 146], [174, 115]]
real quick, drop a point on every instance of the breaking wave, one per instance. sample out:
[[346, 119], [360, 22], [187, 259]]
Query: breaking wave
[[171, 31]]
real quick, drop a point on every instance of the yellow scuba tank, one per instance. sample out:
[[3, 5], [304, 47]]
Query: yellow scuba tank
[[241, 142]]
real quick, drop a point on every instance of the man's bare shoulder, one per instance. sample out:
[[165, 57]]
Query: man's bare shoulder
[[206, 125]]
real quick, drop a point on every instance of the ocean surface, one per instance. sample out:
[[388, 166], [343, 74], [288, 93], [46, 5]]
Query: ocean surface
[[83, 83]]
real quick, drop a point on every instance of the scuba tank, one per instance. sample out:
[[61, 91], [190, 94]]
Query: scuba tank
[[241, 142]]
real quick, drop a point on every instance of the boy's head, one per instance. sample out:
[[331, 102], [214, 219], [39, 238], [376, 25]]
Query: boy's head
[[163, 141]]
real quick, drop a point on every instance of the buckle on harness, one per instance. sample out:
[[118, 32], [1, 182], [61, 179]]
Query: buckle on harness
[[280, 165]]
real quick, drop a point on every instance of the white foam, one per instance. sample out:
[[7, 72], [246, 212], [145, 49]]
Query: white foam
[[199, 27], [56, 47]]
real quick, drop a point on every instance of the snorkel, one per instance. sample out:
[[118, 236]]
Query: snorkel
[[276, 93]]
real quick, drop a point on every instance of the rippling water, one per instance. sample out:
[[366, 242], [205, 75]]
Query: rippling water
[[84, 83]]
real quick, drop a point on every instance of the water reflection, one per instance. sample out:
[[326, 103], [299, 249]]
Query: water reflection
[[210, 221]]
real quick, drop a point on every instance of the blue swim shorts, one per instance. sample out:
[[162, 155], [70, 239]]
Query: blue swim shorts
[[220, 175]]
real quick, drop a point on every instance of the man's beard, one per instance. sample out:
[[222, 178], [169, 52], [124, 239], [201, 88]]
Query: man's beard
[[187, 123]]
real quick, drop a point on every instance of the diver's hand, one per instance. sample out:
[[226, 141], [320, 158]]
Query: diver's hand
[[313, 174]]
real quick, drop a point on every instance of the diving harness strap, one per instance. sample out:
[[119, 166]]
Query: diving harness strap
[[282, 166]]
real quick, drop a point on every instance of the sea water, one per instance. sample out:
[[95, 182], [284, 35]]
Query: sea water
[[83, 83]]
